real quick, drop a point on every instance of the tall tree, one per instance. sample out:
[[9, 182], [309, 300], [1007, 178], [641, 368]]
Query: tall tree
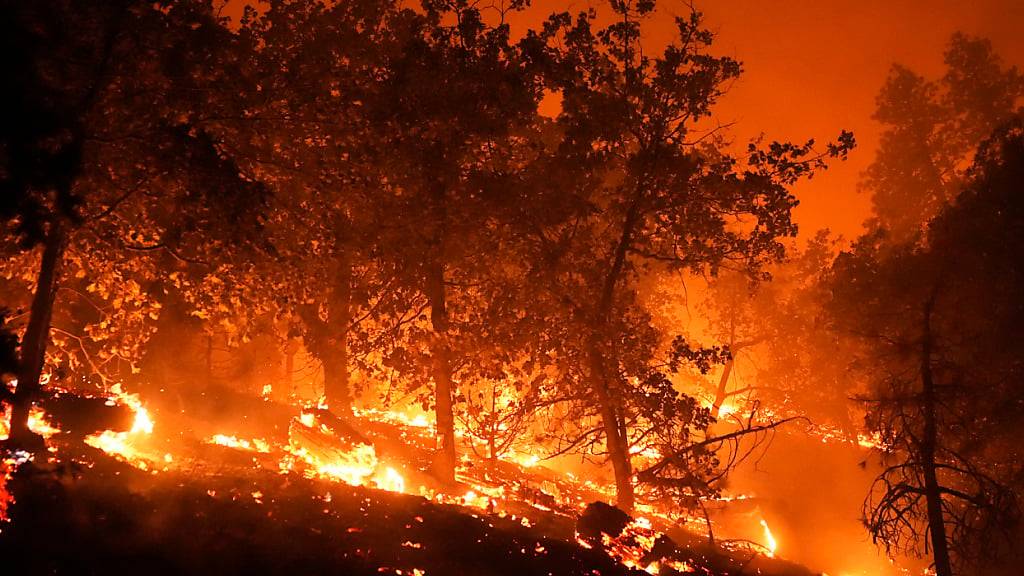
[[653, 192], [122, 78], [932, 128], [938, 323], [450, 100]]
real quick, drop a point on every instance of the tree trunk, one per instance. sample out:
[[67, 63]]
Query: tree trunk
[[615, 434], [442, 374], [337, 379], [328, 341], [722, 393], [615, 437], [33, 344], [929, 441], [289, 366], [209, 361]]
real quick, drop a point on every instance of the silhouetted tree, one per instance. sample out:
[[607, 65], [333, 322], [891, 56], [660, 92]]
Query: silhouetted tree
[[939, 320], [647, 192], [450, 101], [125, 80], [931, 130]]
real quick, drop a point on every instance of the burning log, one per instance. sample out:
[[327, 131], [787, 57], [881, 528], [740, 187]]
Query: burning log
[[339, 426], [80, 416], [329, 454]]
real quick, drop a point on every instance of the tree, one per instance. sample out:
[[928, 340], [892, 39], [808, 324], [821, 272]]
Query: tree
[[453, 94], [315, 143], [778, 330], [651, 193], [938, 319], [931, 130], [119, 82]]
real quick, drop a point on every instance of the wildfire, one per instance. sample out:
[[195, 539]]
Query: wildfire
[[769, 539], [633, 546], [5, 422], [38, 422], [313, 443], [124, 445], [396, 417], [391, 480]]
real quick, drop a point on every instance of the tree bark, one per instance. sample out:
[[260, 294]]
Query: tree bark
[[616, 439], [34, 342], [337, 378], [328, 340], [442, 374], [929, 441]]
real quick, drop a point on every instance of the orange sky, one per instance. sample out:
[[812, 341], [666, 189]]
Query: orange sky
[[813, 67]]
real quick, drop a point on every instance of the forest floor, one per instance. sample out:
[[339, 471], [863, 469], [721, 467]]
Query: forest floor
[[82, 511]]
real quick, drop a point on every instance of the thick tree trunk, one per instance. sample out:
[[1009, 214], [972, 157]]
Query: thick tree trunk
[[929, 441], [442, 375], [34, 342], [615, 437], [337, 378], [209, 361], [328, 340]]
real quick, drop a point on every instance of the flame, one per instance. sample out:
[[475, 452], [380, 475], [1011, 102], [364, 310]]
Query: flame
[[353, 466], [125, 445], [143, 424], [254, 445], [526, 461], [769, 539], [5, 422], [38, 422], [726, 409], [396, 417], [391, 481]]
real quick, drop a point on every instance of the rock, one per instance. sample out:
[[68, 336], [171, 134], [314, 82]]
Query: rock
[[600, 518]]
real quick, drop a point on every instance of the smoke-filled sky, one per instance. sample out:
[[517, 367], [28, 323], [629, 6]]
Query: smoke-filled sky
[[813, 67]]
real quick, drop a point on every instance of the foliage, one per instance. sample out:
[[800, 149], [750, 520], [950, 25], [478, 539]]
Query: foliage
[[938, 320], [931, 129]]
